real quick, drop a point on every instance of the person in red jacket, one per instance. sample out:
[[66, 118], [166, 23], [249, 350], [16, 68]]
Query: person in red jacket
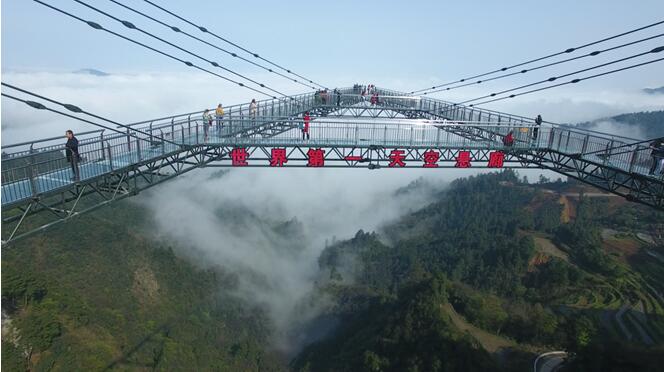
[[508, 140], [305, 129]]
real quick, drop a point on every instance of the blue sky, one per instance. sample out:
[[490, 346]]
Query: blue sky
[[394, 44], [328, 41]]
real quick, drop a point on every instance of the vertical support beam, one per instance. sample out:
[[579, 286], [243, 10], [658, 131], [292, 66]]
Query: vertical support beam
[[585, 144], [128, 141], [560, 139], [196, 127], [32, 172], [632, 160], [163, 143], [552, 135], [110, 156], [569, 134], [609, 149]]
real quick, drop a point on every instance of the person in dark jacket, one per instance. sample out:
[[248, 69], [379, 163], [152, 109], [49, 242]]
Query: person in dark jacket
[[657, 153], [538, 124], [73, 156]]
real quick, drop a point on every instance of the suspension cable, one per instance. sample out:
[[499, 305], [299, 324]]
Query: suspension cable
[[256, 55], [97, 26], [569, 50], [39, 106], [235, 55], [213, 63], [554, 78], [569, 82], [591, 54], [76, 109]]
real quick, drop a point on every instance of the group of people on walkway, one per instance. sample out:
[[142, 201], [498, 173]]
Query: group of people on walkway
[[325, 98], [208, 119], [358, 88], [218, 117], [370, 91], [321, 97], [509, 139]]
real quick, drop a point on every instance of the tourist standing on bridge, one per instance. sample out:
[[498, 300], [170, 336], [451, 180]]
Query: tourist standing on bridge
[[657, 155], [508, 140], [374, 99], [219, 113], [305, 128], [73, 157], [207, 123], [253, 109], [538, 124], [337, 94], [325, 97]]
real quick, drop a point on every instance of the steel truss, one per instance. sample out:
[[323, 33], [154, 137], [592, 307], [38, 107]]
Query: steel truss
[[94, 193], [49, 209], [630, 185], [369, 157]]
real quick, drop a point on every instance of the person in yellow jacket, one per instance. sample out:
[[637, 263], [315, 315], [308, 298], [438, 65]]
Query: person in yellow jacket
[[219, 113]]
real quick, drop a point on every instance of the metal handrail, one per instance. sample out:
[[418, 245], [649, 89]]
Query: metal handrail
[[50, 139], [463, 107]]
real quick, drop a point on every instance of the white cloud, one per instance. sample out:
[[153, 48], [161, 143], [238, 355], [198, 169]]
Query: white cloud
[[125, 98], [209, 217]]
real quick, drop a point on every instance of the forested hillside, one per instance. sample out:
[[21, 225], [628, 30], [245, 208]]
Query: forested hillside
[[491, 273], [517, 281], [103, 296], [649, 123]]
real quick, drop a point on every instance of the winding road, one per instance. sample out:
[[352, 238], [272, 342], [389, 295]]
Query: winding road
[[549, 362]]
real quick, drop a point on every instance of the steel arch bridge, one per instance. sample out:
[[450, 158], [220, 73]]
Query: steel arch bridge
[[396, 131]]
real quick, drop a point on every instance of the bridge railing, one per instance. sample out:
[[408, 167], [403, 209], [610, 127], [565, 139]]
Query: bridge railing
[[454, 111], [601, 148], [48, 169], [281, 107], [32, 174], [324, 131], [239, 116], [45, 144], [608, 151], [271, 108], [33, 167]]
